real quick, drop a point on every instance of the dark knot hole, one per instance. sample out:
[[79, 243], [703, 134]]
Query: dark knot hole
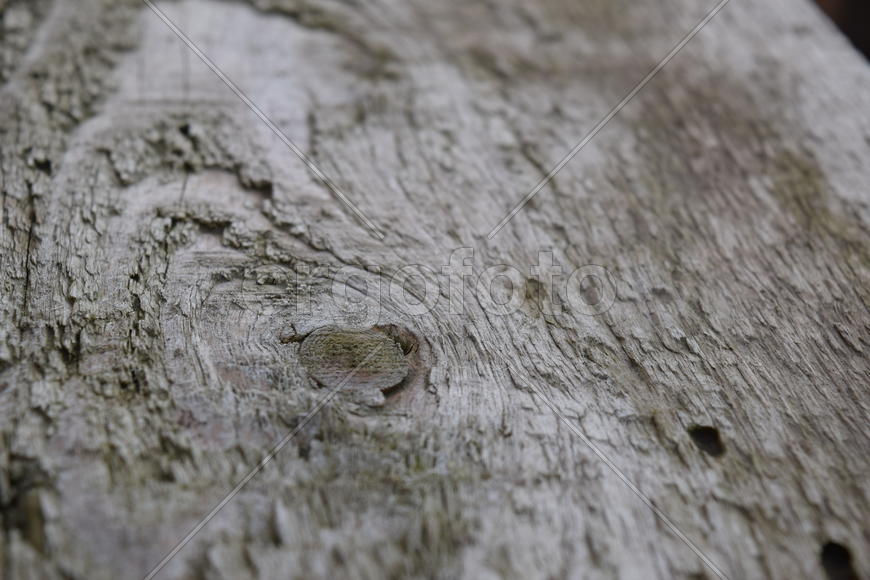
[[707, 439], [837, 562]]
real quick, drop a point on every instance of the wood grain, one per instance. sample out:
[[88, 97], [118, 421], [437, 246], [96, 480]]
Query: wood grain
[[159, 247]]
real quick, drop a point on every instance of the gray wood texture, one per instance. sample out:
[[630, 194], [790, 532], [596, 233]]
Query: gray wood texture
[[157, 240]]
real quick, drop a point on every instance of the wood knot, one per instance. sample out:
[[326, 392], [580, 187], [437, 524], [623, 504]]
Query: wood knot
[[354, 358]]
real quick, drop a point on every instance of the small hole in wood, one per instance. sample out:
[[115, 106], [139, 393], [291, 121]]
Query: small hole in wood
[[837, 562], [707, 439], [43, 165]]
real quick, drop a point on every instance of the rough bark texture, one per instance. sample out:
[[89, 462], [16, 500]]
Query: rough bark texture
[[156, 239]]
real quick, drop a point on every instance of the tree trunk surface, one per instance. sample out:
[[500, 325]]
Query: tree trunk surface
[[179, 292]]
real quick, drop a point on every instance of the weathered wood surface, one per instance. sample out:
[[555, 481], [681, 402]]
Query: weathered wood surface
[[154, 231]]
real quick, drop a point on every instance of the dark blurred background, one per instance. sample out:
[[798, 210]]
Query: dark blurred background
[[853, 18]]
